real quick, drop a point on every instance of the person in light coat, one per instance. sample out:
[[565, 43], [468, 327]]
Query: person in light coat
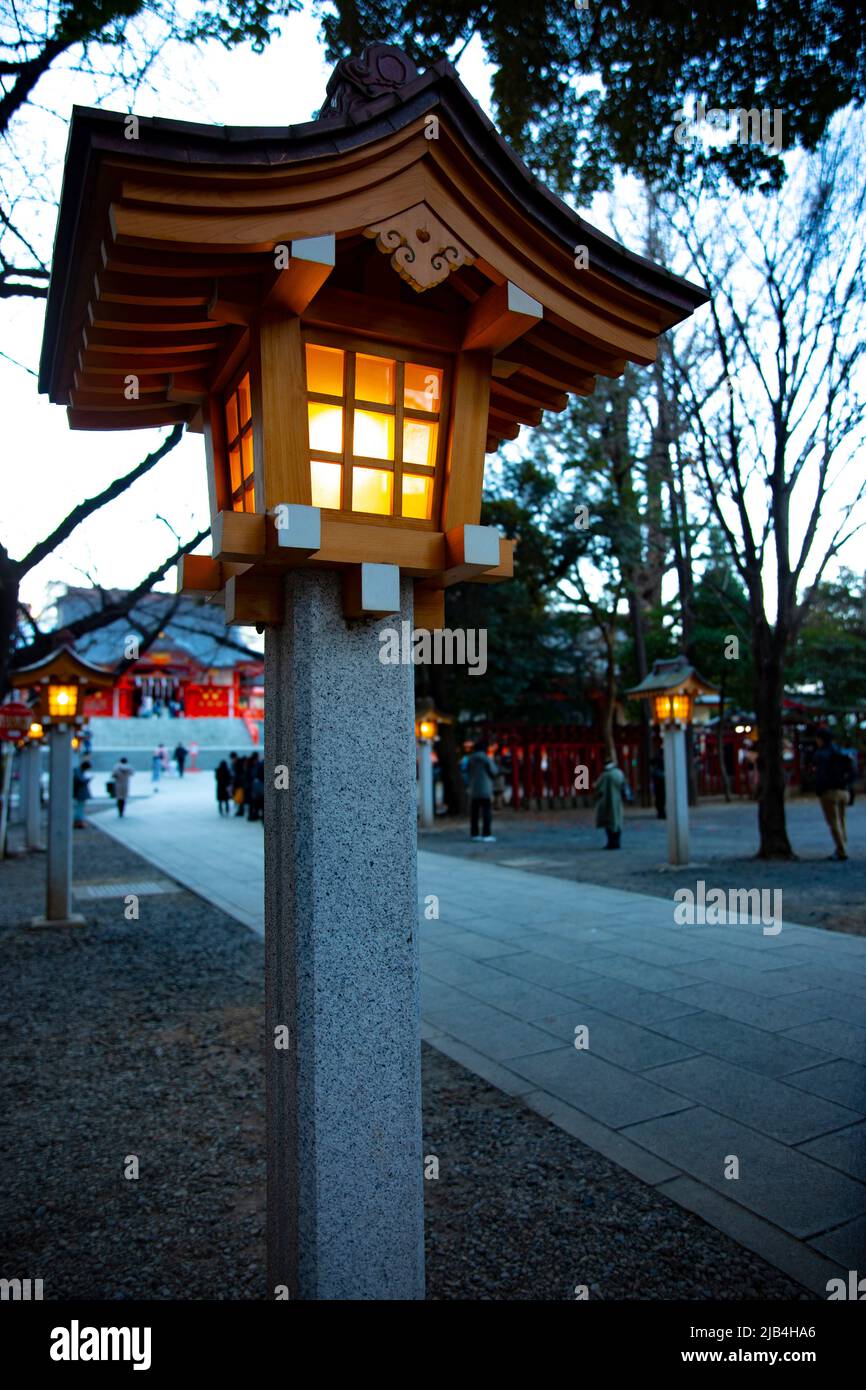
[[122, 776], [609, 793]]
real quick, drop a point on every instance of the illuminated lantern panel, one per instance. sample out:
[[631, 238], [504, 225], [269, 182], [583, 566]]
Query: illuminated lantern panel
[[426, 729], [62, 701], [374, 432], [239, 445], [662, 708], [672, 707], [682, 705]]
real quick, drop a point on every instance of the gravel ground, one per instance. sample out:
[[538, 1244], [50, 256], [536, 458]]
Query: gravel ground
[[142, 1038], [566, 844]]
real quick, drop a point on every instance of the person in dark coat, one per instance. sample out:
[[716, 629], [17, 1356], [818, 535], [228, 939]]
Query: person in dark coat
[[223, 776], [834, 775], [482, 772], [180, 757], [609, 794], [80, 792]]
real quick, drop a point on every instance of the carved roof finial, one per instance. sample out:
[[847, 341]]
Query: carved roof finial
[[356, 82]]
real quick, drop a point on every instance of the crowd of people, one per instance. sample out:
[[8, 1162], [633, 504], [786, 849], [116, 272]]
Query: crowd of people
[[240, 782]]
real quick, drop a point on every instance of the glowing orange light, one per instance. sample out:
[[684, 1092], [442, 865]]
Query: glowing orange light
[[62, 701]]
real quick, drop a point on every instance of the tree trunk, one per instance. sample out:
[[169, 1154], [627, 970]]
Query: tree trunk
[[609, 701], [771, 769], [646, 733], [8, 613], [723, 769]]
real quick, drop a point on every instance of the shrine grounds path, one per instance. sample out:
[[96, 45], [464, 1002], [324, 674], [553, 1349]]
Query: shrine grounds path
[[706, 1044]]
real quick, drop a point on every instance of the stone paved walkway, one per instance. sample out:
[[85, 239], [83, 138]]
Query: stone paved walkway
[[706, 1044]]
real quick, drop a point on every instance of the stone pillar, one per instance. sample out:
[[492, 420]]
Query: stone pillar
[[58, 910], [31, 769], [676, 795], [425, 769], [345, 1181]]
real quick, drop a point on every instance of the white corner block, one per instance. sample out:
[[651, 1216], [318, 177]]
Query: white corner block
[[298, 527], [321, 249], [519, 302], [380, 588], [480, 545]]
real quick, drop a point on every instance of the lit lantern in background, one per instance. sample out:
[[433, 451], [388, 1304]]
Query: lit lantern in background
[[671, 686], [427, 721], [59, 683], [62, 701]]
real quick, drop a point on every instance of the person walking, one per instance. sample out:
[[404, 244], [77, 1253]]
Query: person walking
[[239, 776], [834, 776], [257, 788], [80, 793], [122, 776], [223, 777], [180, 756], [482, 772], [609, 794], [157, 763]]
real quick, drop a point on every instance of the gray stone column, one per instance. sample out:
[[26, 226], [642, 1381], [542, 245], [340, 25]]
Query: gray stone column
[[425, 780], [31, 768], [676, 795], [58, 911], [345, 1181]]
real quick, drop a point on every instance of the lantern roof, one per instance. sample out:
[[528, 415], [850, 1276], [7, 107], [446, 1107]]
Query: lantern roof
[[673, 676], [167, 232], [426, 709], [64, 667]]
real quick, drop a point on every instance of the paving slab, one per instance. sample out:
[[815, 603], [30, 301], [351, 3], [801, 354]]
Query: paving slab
[[846, 1244], [761, 1102], [627, 1044], [770, 1053], [601, 1090], [796, 1193], [833, 1035], [845, 1150], [841, 1081], [773, 1015]]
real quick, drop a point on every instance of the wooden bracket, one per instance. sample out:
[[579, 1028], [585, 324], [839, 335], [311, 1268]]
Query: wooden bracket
[[470, 550], [311, 261], [298, 529], [500, 316], [429, 607], [255, 599], [239, 536], [371, 591]]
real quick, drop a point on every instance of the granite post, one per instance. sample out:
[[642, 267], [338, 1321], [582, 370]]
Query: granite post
[[31, 769], [345, 1180], [676, 795], [425, 779], [58, 909]]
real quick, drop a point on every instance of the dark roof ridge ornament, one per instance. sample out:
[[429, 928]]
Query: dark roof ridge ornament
[[355, 83]]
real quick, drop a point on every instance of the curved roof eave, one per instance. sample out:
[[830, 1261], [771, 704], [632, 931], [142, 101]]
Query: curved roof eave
[[94, 132]]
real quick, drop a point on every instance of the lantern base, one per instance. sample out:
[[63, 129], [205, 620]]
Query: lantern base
[[74, 919]]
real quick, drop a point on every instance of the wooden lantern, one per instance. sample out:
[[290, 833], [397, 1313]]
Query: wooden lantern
[[60, 681], [671, 687], [352, 311]]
